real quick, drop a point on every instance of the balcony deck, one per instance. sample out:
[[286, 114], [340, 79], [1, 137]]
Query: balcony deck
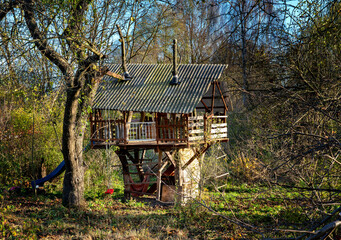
[[151, 135]]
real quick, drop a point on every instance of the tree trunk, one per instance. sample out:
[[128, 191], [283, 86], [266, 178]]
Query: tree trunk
[[79, 97], [73, 185], [243, 24], [73, 131]]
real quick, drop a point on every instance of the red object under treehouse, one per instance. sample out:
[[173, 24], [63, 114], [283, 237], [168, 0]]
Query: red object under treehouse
[[172, 112]]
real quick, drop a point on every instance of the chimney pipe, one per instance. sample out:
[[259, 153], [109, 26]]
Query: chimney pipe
[[175, 79], [124, 66]]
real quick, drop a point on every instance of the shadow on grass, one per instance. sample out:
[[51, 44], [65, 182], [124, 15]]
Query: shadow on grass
[[107, 218]]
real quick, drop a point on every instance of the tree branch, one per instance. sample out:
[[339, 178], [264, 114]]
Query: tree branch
[[40, 40], [73, 29], [7, 7]]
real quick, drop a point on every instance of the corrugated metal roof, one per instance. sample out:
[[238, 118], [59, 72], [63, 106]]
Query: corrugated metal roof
[[150, 91]]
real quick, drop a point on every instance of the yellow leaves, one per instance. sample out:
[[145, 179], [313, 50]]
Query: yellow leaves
[[94, 67]]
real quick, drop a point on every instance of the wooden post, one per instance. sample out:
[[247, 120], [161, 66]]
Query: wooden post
[[158, 186], [223, 99], [178, 181], [213, 93], [157, 128], [206, 108], [205, 127], [123, 158], [125, 128], [187, 130], [91, 130], [138, 163]]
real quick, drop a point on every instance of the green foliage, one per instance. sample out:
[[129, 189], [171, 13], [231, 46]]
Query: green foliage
[[29, 217], [102, 173], [29, 145]]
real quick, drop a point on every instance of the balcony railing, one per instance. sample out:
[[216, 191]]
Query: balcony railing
[[141, 131], [203, 128], [107, 130], [194, 129]]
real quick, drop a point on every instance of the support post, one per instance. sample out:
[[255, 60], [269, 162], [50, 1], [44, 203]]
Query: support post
[[91, 130], [205, 128], [178, 181], [223, 99], [157, 128], [187, 130], [170, 157], [158, 196], [125, 127], [126, 179], [213, 93]]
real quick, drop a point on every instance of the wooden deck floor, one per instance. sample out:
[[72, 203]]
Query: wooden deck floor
[[150, 144]]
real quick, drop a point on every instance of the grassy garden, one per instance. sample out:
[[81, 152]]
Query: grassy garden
[[238, 211]]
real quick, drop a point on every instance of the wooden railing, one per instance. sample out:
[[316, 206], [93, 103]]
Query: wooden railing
[[202, 128], [189, 130], [141, 131], [218, 127], [107, 130], [196, 128], [171, 130]]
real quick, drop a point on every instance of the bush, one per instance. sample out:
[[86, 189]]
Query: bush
[[28, 147]]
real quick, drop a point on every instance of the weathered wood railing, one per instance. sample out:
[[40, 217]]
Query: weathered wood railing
[[107, 130], [163, 130], [218, 127], [202, 128], [141, 131], [196, 128], [172, 129]]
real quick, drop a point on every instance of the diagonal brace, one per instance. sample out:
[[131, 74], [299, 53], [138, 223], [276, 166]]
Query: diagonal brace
[[196, 155]]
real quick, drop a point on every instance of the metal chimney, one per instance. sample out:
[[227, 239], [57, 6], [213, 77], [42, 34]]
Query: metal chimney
[[124, 66], [175, 79]]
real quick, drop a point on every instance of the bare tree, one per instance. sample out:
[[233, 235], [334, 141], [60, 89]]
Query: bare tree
[[74, 36]]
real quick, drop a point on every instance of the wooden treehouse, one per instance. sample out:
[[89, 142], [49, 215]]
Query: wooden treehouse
[[163, 118]]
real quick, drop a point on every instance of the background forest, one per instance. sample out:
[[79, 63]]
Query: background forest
[[284, 87]]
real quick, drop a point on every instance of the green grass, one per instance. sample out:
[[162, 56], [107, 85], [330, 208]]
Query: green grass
[[25, 216]]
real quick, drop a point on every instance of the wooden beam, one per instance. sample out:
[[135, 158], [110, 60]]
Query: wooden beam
[[222, 97], [196, 155], [135, 160], [187, 124], [157, 128], [170, 157], [115, 75], [158, 184], [213, 92], [216, 107], [206, 108], [127, 153], [210, 97], [123, 158], [205, 127], [125, 127]]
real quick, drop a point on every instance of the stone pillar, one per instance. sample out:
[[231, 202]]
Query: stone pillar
[[189, 178]]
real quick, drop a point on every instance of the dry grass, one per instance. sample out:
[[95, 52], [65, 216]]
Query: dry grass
[[24, 216]]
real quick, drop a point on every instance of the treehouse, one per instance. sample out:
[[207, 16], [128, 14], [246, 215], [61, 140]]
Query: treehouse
[[163, 118], [162, 126]]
